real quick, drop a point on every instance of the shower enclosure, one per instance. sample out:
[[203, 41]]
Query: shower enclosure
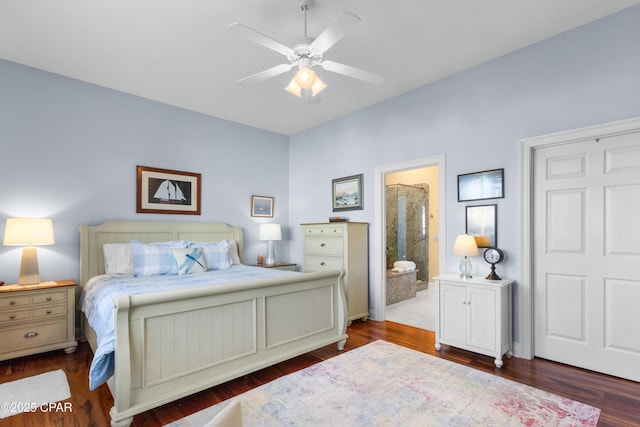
[[407, 213]]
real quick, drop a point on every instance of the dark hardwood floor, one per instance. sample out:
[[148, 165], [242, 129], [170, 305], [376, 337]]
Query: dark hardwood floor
[[618, 399]]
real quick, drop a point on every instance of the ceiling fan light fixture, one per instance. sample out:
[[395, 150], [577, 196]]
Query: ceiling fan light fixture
[[317, 87], [305, 78], [293, 88]]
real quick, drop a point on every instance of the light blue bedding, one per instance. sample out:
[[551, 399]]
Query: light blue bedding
[[97, 298]]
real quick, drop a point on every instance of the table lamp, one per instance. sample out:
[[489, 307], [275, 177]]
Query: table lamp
[[465, 246], [270, 232], [28, 232]]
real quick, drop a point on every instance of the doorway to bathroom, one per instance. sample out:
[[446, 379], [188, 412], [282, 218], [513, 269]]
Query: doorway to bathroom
[[411, 218]]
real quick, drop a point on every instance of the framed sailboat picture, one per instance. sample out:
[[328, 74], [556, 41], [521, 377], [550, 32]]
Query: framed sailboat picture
[[167, 191]]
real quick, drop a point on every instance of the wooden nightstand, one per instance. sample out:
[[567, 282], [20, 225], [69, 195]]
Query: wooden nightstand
[[37, 318], [278, 266]]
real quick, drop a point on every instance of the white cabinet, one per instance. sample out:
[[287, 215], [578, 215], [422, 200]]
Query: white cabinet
[[475, 314], [344, 245]]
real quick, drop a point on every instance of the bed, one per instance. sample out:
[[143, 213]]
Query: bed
[[170, 344]]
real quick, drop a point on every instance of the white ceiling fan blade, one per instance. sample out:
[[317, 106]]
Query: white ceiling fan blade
[[354, 72], [261, 39], [340, 26], [266, 74]]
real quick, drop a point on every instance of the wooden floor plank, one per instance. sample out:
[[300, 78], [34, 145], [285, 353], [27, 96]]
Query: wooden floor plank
[[618, 399]]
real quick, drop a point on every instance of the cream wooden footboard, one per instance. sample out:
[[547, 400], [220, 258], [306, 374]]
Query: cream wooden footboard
[[173, 344]]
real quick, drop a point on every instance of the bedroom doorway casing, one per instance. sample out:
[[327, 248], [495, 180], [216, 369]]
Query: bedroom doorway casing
[[380, 238]]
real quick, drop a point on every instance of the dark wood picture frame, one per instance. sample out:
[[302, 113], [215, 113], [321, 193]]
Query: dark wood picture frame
[[481, 222], [483, 185], [346, 193], [262, 206], [167, 191]]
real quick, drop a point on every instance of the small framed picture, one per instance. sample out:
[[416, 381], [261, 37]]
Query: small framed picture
[[482, 224], [481, 185], [347, 193], [167, 191], [262, 206]]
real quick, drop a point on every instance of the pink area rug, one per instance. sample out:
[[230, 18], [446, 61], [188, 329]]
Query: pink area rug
[[383, 384]]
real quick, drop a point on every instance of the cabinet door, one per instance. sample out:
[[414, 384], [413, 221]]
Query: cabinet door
[[482, 318], [452, 313]]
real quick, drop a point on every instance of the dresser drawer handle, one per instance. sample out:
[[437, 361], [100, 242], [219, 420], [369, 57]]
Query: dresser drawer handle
[[323, 263], [12, 316], [49, 298], [322, 245], [31, 335], [48, 311], [12, 303]]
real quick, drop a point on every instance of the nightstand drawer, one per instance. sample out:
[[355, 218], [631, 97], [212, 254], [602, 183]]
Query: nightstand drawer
[[50, 297], [13, 316], [14, 301], [56, 310], [330, 246], [33, 335]]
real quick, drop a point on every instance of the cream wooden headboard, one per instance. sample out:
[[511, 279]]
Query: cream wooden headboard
[[92, 237]]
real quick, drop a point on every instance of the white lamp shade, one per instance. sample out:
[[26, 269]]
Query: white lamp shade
[[465, 245], [28, 231], [270, 232]]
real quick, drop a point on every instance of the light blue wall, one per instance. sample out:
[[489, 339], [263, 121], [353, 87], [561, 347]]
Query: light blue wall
[[476, 118], [69, 151]]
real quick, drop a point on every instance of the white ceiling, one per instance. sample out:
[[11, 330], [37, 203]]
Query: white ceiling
[[180, 53]]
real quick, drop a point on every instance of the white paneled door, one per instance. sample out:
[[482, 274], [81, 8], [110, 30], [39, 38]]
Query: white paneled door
[[586, 254]]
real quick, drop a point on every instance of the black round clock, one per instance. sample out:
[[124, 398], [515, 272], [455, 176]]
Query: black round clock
[[493, 256]]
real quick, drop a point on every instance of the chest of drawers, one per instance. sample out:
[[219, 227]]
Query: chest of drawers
[[330, 246], [37, 318]]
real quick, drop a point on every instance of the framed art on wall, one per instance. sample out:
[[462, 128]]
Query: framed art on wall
[[262, 206], [482, 224], [347, 193], [167, 191], [481, 185]]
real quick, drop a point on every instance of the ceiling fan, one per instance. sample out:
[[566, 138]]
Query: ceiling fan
[[307, 54]]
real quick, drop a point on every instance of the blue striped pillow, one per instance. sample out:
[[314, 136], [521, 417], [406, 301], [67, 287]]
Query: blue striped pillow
[[153, 259], [216, 254]]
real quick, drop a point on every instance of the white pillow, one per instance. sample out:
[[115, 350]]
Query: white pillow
[[231, 416], [189, 260], [233, 253], [117, 258]]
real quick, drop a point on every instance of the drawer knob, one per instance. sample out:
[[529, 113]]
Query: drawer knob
[[31, 334], [49, 298], [12, 303], [48, 311], [323, 263], [12, 316], [322, 245]]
